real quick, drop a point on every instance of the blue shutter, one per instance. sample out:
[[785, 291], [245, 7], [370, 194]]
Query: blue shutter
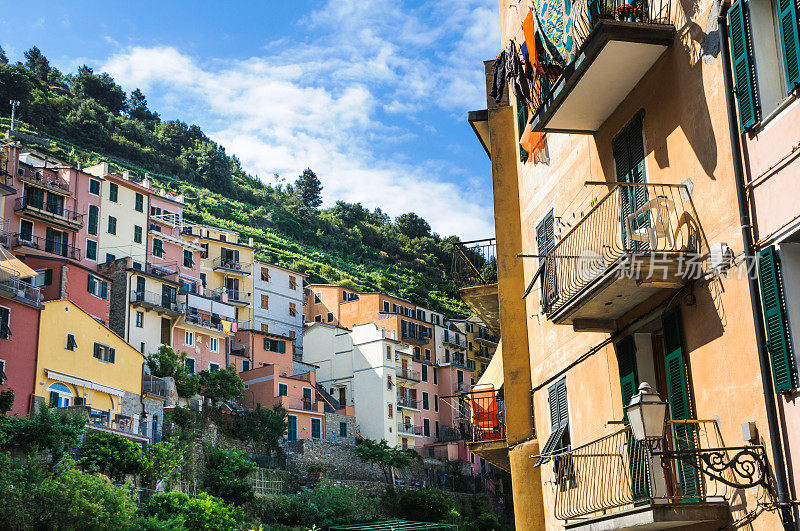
[[744, 74], [111, 353], [97, 350], [790, 39]]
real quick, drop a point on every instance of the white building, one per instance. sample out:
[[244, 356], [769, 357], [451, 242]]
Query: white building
[[278, 301], [362, 369]]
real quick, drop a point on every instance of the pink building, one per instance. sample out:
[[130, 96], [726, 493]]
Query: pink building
[[19, 336]]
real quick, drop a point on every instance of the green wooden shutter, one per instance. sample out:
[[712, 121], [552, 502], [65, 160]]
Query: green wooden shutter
[[522, 122], [626, 359], [111, 353], [629, 159], [778, 340], [97, 350], [790, 39], [680, 406], [744, 75]]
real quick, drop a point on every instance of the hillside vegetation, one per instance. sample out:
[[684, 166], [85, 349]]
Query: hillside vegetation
[[85, 118]]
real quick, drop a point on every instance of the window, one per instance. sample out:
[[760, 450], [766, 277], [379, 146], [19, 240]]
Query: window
[[213, 344], [188, 338], [388, 352], [139, 203], [223, 238], [112, 225], [60, 395], [292, 334], [158, 248], [110, 257], [330, 317], [386, 306], [545, 242], [390, 410], [317, 298], [318, 318], [139, 319], [94, 187], [203, 279], [113, 192], [44, 277], [141, 347], [436, 428], [189, 364], [436, 403], [559, 421], [5, 323], [94, 219], [779, 340], [188, 258], [204, 253], [291, 427], [97, 287], [316, 428], [389, 382], [71, 343], [428, 354], [264, 302], [213, 367], [275, 345], [426, 427], [424, 373], [137, 234], [264, 327], [25, 230], [292, 282], [342, 429], [425, 404], [104, 353], [292, 310], [245, 365], [265, 274], [283, 389]]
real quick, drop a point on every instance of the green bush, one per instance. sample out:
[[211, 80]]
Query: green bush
[[112, 455], [226, 474], [323, 506], [204, 513], [429, 505], [53, 432]]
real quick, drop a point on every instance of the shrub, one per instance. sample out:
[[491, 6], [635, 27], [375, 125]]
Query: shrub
[[226, 475], [111, 454], [316, 469], [196, 514], [52, 432], [429, 505], [163, 460], [323, 506], [164, 362], [224, 384], [6, 400]]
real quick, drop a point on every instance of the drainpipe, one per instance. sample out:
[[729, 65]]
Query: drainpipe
[[755, 304]]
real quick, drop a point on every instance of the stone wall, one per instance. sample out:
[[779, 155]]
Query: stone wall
[[332, 428]]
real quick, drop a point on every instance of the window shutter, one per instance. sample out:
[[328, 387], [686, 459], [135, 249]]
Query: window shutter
[[626, 358], [790, 38], [744, 74], [522, 122], [111, 353], [678, 396], [778, 341], [97, 350], [53, 399], [103, 289], [90, 286]]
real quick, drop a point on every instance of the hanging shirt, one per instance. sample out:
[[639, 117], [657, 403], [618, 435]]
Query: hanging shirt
[[499, 81]]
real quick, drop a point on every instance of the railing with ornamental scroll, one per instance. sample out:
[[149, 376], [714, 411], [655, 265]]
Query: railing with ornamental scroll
[[474, 263]]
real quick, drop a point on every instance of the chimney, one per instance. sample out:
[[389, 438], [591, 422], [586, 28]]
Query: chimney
[[250, 241]]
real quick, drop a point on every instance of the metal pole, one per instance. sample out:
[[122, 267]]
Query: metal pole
[[14, 105]]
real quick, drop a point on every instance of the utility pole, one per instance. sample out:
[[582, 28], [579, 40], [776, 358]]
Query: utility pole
[[14, 105]]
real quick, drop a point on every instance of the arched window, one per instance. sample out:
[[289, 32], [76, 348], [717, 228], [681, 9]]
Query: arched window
[[60, 395]]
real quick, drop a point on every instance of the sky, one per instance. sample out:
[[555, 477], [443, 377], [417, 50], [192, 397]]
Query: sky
[[372, 95]]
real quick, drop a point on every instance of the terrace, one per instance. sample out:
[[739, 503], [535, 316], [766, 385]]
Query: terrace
[[474, 272]]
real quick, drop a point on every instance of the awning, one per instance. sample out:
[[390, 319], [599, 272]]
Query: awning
[[9, 261], [493, 375]]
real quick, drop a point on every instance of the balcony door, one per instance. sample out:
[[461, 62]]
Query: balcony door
[[168, 294], [629, 158], [166, 328], [56, 242], [232, 285]]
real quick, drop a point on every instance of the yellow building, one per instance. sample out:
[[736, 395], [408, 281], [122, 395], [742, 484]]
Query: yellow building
[[481, 343], [84, 366], [227, 269]]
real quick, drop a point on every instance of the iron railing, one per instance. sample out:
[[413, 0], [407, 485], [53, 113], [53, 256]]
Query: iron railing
[[163, 269], [448, 434], [103, 419], [231, 265], [157, 299], [616, 472], [415, 338], [297, 403], [408, 429], [408, 402], [585, 15], [630, 224], [462, 387], [45, 181], [408, 374], [50, 210], [11, 283], [214, 324], [460, 360], [233, 296], [53, 246], [474, 263], [481, 415], [152, 385], [455, 341]]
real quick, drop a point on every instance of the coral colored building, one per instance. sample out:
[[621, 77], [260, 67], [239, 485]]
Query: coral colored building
[[19, 339]]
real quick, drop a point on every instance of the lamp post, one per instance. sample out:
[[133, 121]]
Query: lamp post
[[14, 105]]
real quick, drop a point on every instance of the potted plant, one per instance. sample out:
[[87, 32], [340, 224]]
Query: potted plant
[[316, 471]]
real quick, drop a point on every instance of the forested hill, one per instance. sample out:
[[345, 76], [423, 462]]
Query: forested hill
[[85, 117]]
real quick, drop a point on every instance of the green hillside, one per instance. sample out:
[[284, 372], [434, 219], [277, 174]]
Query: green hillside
[[87, 118]]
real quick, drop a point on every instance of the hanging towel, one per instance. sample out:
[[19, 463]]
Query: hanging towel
[[226, 326], [530, 43]]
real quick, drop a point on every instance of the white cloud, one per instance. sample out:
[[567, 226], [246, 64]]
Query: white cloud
[[316, 105]]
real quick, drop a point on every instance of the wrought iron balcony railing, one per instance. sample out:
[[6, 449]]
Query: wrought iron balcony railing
[[213, 324], [408, 374], [408, 429], [47, 182], [12, 285], [584, 18], [448, 434], [474, 263], [51, 211], [297, 403], [231, 265], [407, 402], [157, 300], [53, 246], [155, 386], [616, 472], [168, 270], [625, 230], [481, 416]]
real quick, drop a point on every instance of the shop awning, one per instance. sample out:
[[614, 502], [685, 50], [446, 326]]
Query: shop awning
[[9, 261], [493, 375]]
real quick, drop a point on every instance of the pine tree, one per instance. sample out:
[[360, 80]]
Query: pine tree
[[309, 189]]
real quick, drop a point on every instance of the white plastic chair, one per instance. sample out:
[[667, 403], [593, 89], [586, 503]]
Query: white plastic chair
[[659, 209]]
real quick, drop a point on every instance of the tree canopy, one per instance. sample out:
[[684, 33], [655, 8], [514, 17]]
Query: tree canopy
[[383, 455]]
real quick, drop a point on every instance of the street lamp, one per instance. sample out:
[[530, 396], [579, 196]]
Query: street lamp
[[647, 415]]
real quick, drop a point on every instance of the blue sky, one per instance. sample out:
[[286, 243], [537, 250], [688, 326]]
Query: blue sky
[[372, 95]]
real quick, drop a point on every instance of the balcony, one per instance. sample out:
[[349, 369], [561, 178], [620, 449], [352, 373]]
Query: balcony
[[417, 338], [51, 213], [618, 256], [6, 180], [231, 266], [454, 342], [53, 184], [212, 324], [297, 404], [474, 272], [230, 296], [406, 402], [160, 303], [618, 41], [448, 434], [107, 422], [615, 482], [482, 423], [485, 338], [13, 287], [43, 244], [408, 429], [407, 374], [459, 361], [155, 387], [461, 387], [167, 270]]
